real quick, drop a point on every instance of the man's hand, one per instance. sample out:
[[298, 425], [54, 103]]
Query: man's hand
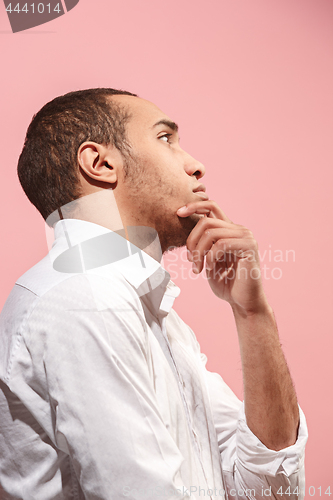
[[232, 260], [233, 272]]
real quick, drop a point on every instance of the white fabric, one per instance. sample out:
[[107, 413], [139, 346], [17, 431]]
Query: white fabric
[[104, 393]]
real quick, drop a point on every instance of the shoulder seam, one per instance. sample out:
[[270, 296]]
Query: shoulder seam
[[26, 288]]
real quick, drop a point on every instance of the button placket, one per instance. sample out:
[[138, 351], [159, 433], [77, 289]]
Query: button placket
[[181, 385]]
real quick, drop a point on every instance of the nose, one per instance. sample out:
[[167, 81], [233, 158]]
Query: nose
[[194, 167]]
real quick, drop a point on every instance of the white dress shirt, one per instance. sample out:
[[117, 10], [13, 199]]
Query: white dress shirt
[[104, 393]]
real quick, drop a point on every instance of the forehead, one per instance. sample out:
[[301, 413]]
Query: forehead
[[143, 113]]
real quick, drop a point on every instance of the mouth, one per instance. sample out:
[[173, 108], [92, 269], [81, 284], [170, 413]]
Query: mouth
[[200, 191]]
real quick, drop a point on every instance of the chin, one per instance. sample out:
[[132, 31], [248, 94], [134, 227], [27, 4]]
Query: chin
[[196, 217], [174, 235], [189, 223]]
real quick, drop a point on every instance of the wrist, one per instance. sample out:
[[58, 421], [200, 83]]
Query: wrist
[[256, 308]]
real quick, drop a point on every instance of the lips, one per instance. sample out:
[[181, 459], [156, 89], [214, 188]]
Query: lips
[[200, 191], [202, 195], [201, 187]]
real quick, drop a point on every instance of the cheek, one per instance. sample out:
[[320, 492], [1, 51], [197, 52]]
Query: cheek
[[161, 175]]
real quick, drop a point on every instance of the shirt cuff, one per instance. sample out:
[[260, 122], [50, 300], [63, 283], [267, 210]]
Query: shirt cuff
[[257, 458]]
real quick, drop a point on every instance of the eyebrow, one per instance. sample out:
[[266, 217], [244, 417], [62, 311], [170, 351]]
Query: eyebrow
[[168, 123]]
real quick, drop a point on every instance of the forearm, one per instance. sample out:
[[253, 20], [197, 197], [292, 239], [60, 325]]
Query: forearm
[[270, 401], [233, 272]]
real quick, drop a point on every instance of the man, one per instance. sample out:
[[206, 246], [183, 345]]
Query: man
[[104, 391]]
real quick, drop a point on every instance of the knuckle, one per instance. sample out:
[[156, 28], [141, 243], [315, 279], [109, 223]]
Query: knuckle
[[219, 254]]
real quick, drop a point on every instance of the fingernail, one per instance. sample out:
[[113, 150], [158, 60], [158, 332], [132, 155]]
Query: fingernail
[[181, 210], [189, 256], [195, 269]]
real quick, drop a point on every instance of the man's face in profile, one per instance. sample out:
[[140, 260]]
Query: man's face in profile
[[162, 177]]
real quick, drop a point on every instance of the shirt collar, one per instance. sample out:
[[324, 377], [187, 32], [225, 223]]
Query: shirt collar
[[82, 246]]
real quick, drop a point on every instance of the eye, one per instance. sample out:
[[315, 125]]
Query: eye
[[165, 136]]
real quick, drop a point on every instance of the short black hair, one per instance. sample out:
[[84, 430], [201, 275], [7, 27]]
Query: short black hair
[[47, 167]]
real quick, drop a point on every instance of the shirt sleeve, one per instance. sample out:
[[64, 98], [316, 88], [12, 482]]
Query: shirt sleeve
[[250, 469], [105, 414]]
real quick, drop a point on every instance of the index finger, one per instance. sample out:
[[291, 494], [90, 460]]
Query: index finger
[[207, 207]]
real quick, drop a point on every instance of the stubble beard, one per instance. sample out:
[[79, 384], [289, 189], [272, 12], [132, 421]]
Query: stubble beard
[[173, 231], [174, 234]]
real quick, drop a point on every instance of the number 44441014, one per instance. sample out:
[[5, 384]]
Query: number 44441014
[[312, 491], [40, 8]]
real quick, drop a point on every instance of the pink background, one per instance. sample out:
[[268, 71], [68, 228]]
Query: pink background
[[250, 83]]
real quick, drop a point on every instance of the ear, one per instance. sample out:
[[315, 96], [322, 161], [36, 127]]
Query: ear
[[100, 163]]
